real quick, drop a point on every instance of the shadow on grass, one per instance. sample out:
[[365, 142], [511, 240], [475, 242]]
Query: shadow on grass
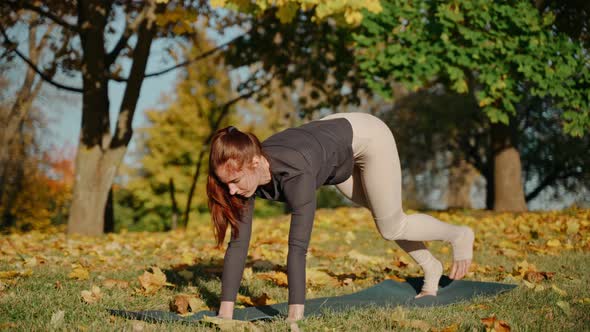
[[212, 270]]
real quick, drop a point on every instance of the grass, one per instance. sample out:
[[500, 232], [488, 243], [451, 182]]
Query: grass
[[27, 303]]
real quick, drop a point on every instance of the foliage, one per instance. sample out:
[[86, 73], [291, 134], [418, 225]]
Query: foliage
[[346, 11], [545, 254], [436, 128], [44, 194], [169, 148], [496, 51]]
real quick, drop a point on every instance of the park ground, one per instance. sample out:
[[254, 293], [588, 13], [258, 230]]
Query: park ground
[[50, 281]]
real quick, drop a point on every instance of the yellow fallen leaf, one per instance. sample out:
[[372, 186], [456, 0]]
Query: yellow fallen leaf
[[15, 274], [396, 278], [229, 324], [415, 324], [151, 282], [558, 290], [57, 319], [186, 275], [278, 277], [185, 304], [349, 237], [565, 307], [111, 283], [92, 295], [255, 301], [553, 243], [79, 272], [318, 278], [494, 324], [573, 226], [451, 328], [188, 258]]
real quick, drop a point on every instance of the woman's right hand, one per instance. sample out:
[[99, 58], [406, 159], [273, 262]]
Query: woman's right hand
[[226, 310]]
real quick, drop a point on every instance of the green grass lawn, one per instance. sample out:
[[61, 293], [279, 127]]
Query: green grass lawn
[[344, 241]]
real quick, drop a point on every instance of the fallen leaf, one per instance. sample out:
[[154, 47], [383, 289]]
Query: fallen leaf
[[15, 274], [229, 324], [151, 282], [415, 324], [553, 243], [279, 278], [186, 275], [92, 295], [255, 301], [188, 258], [451, 328], [184, 304], [79, 272], [138, 326], [111, 283], [558, 290], [396, 278], [57, 318], [402, 261], [565, 307], [58, 285], [494, 324], [319, 278]]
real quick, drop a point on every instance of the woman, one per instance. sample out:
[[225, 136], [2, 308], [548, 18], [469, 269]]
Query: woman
[[354, 151]]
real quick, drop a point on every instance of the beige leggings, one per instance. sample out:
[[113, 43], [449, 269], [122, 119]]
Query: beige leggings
[[376, 179], [376, 183]]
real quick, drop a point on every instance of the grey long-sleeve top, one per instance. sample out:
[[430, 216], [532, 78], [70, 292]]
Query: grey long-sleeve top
[[301, 160]]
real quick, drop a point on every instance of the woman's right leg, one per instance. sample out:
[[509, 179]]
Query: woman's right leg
[[380, 173], [353, 189]]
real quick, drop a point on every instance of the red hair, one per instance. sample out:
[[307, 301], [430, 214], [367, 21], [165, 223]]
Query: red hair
[[228, 143]]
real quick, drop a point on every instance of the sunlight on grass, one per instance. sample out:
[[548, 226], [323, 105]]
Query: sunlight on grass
[[43, 277]]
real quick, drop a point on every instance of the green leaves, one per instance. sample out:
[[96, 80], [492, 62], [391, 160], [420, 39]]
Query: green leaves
[[507, 47]]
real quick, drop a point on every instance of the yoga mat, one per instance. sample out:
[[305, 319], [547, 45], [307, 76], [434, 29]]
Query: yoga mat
[[386, 293]]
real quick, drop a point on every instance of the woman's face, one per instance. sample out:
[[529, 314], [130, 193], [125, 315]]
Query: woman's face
[[240, 181]]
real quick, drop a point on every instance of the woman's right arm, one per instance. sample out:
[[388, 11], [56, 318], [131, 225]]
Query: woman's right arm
[[235, 261]]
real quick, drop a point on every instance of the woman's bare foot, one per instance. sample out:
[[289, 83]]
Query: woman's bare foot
[[425, 293]]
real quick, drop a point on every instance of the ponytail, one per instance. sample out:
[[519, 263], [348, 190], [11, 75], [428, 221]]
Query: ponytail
[[232, 149]]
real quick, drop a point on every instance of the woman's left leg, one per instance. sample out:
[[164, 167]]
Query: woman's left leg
[[352, 189], [380, 173]]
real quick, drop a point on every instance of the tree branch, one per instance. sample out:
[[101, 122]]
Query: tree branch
[[549, 180], [46, 14], [43, 75], [130, 27], [187, 62]]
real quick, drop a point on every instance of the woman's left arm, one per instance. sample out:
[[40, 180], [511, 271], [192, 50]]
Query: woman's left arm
[[303, 208]]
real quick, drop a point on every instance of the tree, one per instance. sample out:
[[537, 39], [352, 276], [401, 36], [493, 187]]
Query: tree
[[437, 123], [495, 53], [18, 116], [170, 147], [91, 24]]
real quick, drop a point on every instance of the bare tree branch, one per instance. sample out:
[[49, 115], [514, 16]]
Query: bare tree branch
[[33, 66], [44, 13], [130, 27], [187, 62]]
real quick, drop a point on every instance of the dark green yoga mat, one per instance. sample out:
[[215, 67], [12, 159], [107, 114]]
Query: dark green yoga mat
[[386, 293]]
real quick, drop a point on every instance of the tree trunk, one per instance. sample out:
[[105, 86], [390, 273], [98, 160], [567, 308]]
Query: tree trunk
[[99, 152], [109, 214], [507, 172], [95, 172], [461, 180]]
